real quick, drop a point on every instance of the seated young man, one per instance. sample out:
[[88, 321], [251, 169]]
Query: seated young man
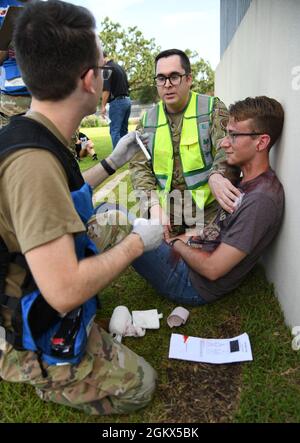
[[84, 147], [196, 276]]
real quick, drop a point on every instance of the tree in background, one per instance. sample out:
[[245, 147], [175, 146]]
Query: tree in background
[[203, 74], [136, 54]]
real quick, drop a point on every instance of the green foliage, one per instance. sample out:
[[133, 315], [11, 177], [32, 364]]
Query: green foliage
[[203, 74], [147, 94], [136, 54], [92, 121], [131, 49]]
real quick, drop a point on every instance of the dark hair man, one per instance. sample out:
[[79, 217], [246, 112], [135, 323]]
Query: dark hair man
[[50, 269], [204, 274], [185, 130]]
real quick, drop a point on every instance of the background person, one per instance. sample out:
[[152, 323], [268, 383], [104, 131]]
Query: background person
[[84, 147], [116, 93]]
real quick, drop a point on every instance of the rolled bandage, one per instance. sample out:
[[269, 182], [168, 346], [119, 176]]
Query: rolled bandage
[[296, 339], [178, 317], [120, 324]]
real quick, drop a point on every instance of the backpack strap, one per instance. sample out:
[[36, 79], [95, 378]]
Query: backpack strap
[[7, 301], [37, 136], [4, 264]]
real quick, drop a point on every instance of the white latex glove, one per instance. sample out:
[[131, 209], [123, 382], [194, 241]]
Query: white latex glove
[[150, 231], [126, 148]]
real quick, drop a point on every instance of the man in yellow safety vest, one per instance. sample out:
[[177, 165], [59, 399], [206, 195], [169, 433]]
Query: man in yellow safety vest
[[186, 163]]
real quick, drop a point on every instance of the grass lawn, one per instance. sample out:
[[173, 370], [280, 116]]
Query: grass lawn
[[266, 390]]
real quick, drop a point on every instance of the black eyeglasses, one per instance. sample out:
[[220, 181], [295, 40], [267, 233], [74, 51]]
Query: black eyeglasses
[[106, 71], [175, 79], [232, 135]]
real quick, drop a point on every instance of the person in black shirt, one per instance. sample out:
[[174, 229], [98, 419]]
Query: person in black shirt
[[84, 146], [116, 93]]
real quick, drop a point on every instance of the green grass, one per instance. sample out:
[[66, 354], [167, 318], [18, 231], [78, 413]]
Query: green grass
[[103, 146], [268, 388]]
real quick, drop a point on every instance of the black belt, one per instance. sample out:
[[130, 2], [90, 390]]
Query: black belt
[[119, 97]]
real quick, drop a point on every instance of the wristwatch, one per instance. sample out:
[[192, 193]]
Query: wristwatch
[[172, 242]]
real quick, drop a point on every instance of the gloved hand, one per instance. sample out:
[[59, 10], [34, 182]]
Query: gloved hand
[[150, 231], [126, 148]]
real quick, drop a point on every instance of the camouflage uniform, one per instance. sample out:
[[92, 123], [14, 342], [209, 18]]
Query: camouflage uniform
[[110, 379], [11, 105], [72, 145], [141, 170], [108, 228]]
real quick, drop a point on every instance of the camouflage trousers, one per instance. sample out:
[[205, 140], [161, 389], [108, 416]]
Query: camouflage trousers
[[4, 120], [110, 379], [11, 105], [108, 228]]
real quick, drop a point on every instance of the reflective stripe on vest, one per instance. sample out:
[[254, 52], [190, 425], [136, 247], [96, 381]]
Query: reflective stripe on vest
[[195, 147]]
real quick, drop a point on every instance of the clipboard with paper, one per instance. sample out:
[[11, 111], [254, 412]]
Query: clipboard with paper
[[6, 30]]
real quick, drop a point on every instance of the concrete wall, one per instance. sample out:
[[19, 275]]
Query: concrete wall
[[263, 58]]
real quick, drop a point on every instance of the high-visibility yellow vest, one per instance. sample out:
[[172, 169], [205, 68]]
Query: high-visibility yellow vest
[[196, 151]]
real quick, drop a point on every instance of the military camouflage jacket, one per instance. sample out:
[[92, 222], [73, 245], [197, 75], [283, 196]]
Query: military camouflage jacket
[[141, 171]]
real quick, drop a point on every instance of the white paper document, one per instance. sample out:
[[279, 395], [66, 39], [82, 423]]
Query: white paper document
[[207, 350]]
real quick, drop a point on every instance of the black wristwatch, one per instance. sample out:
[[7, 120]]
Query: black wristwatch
[[172, 242]]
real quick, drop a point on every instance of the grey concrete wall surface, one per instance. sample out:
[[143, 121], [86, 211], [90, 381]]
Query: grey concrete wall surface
[[263, 58]]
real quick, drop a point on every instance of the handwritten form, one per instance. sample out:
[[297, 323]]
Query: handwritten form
[[207, 350]]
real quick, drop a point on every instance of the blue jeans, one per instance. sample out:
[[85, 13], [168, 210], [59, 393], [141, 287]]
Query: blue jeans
[[168, 276], [119, 112]]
